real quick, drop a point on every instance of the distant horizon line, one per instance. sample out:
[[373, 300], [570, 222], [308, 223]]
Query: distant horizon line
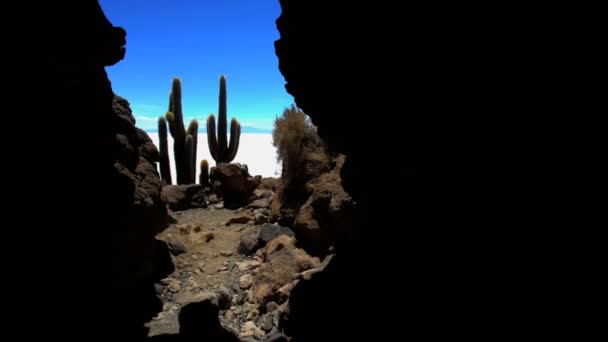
[[244, 129]]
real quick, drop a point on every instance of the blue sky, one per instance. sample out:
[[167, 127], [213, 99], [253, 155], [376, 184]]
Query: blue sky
[[198, 40]]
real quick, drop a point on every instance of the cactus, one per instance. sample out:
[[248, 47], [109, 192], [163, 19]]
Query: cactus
[[203, 178], [188, 158], [220, 150], [165, 171], [175, 118], [193, 131]]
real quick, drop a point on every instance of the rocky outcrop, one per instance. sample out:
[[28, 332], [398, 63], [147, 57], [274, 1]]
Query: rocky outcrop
[[233, 183], [492, 220], [89, 222], [186, 196], [319, 210]]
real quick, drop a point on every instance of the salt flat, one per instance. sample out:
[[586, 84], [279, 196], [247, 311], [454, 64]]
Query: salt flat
[[255, 150]]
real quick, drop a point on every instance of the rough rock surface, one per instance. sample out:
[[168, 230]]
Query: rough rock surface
[[493, 216], [233, 183]]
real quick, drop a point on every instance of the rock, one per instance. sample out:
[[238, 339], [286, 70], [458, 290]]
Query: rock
[[222, 269], [158, 288], [183, 298], [284, 261], [260, 219], [271, 307], [306, 275], [253, 314], [247, 307], [269, 183], [240, 298], [213, 199], [245, 281], [263, 193], [267, 322], [176, 247], [276, 336], [233, 183], [182, 197], [223, 297], [219, 205], [243, 217], [226, 253], [229, 315], [259, 204], [261, 211], [270, 231], [248, 265], [208, 236], [250, 329], [174, 287], [248, 244]]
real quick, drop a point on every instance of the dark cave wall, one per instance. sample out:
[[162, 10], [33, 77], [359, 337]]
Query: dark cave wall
[[494, 221], [80, 252]]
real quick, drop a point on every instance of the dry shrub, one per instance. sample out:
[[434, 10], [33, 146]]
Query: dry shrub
[[293, 133]]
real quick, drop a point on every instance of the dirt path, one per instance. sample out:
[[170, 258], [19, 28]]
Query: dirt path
[[207, 262]]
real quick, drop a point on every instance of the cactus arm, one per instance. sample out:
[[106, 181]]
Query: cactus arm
[[188, 152], [193, 131], [211, 138], [165, 170], [203, 178], [235, 137]]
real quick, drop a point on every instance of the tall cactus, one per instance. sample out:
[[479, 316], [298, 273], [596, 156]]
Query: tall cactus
[[220, 150], [203, 178], [185, 169], [165, 171], [193, 131], [188, 158]]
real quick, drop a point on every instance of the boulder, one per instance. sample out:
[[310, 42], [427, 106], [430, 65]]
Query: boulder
[[284, 263], [185, 196], [269, 232], [233, 183]]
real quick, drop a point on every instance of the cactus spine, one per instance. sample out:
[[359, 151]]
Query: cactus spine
[[220, 150], [165, 171]]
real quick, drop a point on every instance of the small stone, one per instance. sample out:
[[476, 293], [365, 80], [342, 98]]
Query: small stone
[[223, 269], [247, 307], [250, 329], [245, 281], [158, 288], [176, 247], [267, 322], [208, 236], [263, 211], [260, 219], [253, 314], [271, 307], [174, 287], [240, 298], [306, 275], [229, 315], [219, 205], [248, 265], [224, 297], [226, 253], [239, 218]]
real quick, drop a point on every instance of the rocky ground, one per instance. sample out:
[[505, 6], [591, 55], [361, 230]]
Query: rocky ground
[[247, 269]]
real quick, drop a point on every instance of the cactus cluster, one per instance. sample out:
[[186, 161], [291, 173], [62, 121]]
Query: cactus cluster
[[185, 140]]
